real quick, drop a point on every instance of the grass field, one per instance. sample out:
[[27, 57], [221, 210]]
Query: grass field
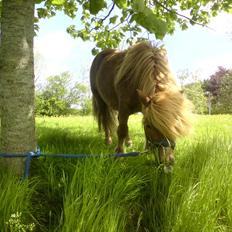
[[122, 195]]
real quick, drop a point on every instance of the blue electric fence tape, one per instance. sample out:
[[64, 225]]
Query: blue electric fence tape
[[30, 155]]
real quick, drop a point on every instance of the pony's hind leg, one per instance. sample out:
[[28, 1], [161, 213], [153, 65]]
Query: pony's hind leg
[[108, 139]]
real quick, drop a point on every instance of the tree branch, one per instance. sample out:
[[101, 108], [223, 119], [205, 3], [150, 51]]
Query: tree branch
[[110, 11], [103, 19], [111, 29], [181, 15]]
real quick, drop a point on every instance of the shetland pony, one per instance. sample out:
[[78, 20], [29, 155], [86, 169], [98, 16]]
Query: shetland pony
[[139, 80]]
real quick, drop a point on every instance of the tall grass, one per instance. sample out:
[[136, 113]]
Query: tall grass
[[126, 194], [15, 197], [200, 191]]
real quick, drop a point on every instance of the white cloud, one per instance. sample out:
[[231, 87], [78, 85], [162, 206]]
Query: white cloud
[[60, 52], [201, 50], [222, 23], [54, 44], [207, 67]]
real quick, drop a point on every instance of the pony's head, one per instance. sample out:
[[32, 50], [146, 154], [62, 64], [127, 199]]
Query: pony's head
[[167, 116]]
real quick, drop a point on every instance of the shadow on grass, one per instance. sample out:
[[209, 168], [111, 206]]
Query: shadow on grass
[[59, 140]]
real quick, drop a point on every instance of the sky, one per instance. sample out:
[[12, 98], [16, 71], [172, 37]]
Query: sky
[[199, 49]]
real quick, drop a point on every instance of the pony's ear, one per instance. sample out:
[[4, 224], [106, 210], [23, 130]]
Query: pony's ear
[[181, 91], [145, 100]]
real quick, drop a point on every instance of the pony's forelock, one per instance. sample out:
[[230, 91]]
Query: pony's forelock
[[170, 113]]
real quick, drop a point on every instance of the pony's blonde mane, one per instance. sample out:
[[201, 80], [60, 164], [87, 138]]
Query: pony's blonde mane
[[170, 112], [146, 68]]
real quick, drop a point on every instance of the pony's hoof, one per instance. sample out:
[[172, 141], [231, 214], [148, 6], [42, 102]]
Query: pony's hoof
[[118, 150]]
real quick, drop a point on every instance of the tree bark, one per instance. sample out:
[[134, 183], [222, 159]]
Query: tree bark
[[17, 80]]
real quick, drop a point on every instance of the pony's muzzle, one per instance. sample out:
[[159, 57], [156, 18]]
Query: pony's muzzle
[[166, 155], [165, 150]]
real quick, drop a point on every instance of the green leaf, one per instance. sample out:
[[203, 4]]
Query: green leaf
[[230, 11], [138, 6], [58, 2], [184, 26], [121, 3], [95, 51], [96, 6], [146, 18], [42, 13], [152, 23], [38, 1], [113, 19]]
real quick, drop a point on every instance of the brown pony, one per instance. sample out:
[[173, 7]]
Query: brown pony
[[139, 80]]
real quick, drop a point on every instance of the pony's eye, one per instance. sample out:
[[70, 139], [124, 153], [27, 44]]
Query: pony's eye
[[148, 126]]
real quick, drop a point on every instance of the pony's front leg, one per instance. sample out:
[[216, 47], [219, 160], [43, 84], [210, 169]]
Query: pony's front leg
[[128, 141], [122, 133]]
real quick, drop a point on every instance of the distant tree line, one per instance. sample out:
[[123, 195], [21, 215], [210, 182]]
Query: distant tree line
[[213, 95], [59, 96]]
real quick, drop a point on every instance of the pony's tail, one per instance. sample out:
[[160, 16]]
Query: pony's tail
[[104, 115]]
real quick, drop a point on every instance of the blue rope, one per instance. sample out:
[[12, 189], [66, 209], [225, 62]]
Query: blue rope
[[30, 155]]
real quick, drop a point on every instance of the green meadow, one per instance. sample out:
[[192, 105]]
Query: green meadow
[[130, 194]]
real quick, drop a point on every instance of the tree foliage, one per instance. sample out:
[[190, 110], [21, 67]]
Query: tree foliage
[[192, 87], [218, 88], [213, 84], [196, 94], [225, 94], [84, 105], [108, 22], [58, 96]]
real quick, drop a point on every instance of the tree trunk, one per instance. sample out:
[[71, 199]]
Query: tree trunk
[[17, 80]]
